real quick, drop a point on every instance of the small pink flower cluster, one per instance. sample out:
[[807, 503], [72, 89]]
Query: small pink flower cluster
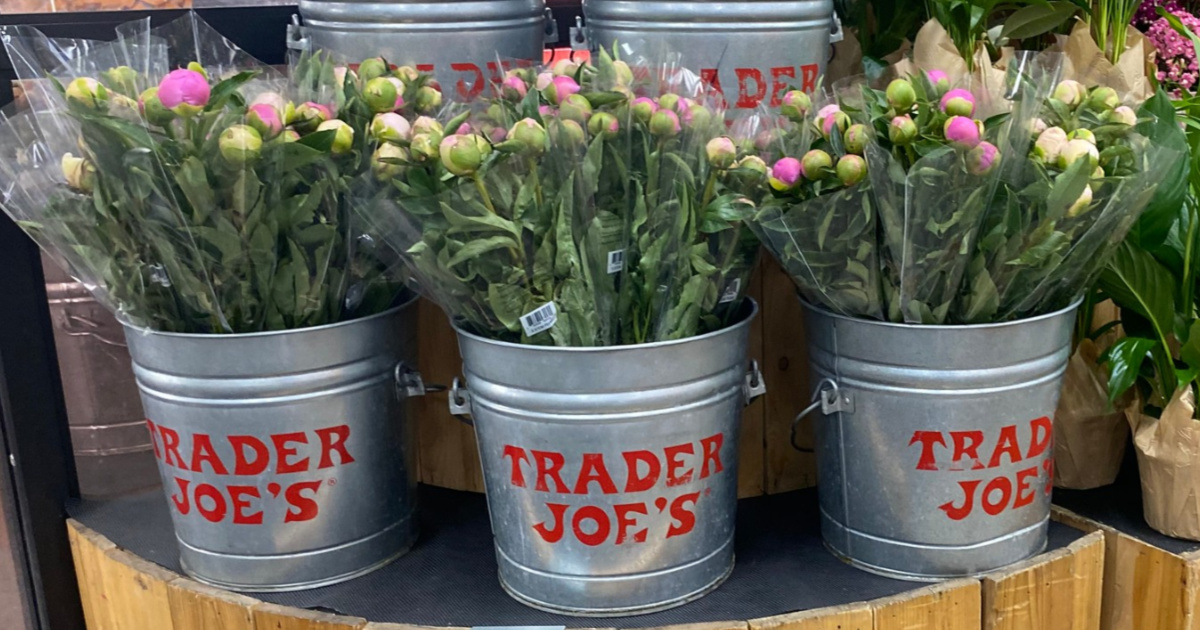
[[1147, 13], [1177, 64]]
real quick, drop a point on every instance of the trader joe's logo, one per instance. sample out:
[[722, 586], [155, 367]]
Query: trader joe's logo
[[274, 458], [647, 474]]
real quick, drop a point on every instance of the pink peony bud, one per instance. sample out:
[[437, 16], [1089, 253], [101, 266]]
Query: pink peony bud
[[665, 123], [80, 174], [89, 94], [265, 120], [1037, 126], [1103, 99], [939, 79], [390, 127], [1070, 93], [496, 135], [310, 115], [1049, 144], [382, 164], [815, 165], [604, 124], [427, 100], [668, 101], [240, 145], [152, 108], [560, 88], [273, 99], [545, 111], [543, 81], [184, 92], [901, 96], [962, 132], [1081, 204], [785, 174], [428, 126], [826, 112], [530, 136], [514, 89], [569, 133], [343, 136], [958, 102], [564, 67], [983, 158], [463, 129], [851, 169], [795, 106], [1077, 150], [340, 73], [644, 108], [855, 140], [1082, 134], [903, 131], [837, 121], [721, 152], [463, 154], [1122, 116], [380, 94], [752, 169], [575, 107]]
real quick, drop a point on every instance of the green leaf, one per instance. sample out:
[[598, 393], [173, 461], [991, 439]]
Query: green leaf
[[1124, 360], [478, 247], [1161, 127], [1036, 19], [1190, 351], [227, 88]]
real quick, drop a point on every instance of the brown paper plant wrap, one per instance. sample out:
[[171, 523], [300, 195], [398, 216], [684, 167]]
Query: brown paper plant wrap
[[1089, 433], [1168, 453], [1086, 63]]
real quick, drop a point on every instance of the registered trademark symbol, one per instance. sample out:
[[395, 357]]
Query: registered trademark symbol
[[332, 482]]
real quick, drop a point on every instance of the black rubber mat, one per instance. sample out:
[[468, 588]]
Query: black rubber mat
[[1120, 506], [449, 578]]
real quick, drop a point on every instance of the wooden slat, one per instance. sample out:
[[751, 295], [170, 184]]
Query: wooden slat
[[713, 625], [785, 369], [849, 617], [448, 456], [948, 606], [751, 444], [136, 592], [1151, 588], [275, 617], [88, 549], [1059, 590], [195, 606]]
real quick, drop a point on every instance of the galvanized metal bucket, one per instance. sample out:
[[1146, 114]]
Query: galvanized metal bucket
[[462, 42], [113, 454], [611, 472], [752, 51], [935, 455], [287, 456]]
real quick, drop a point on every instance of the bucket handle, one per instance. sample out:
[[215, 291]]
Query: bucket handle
[[829, 397], [460, 401], [409, 383], [754, 385]]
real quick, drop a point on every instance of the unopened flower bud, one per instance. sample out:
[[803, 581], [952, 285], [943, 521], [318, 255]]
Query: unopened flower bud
[[604, 124], [288, 135], [514, 88], [983, 158], [184, 92], [1103, 99], [643, 109], [699, 117], [308, 116], [751, 169], [1082, 134], [88, 94], [1081, 204], [624, 73], [855, 139], [902, 131], [901, 96], [1049, 144], [569, 133], [428, 126], [372, 68], [815, 165], [428, 100], [958, 102], [564, 68], [1076, 150], [575, 107], [265, 120], [380, 95], [79, 174], [668, 101], [664, 123], [543, 81], [463, 154], [424, 147], [408, 74], [835, 122], [195, 66], [851, 169], [390, 127], [153, 109], [559, 89], [785, 174], [383, 165], [122, 79], [343, 136], [795, 106], [240, 145], [1070, 93], [962, 132], [340, 73], [940, 80], [531, 137], [721, 152], [1122, 115]]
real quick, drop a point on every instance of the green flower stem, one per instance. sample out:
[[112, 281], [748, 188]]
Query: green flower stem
[[709, 189]]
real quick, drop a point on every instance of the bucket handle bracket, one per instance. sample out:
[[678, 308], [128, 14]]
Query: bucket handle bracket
[[579, 37], [754, 385], [551, 27], [409, 383], [830, 399], [297, 36], [460, 400]]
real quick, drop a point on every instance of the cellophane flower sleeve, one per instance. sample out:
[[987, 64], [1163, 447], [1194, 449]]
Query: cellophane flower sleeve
[[817, 216], [690, 254]]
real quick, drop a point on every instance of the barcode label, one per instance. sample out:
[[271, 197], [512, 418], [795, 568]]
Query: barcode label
[[616, 261], [732, 291], [539, 319]]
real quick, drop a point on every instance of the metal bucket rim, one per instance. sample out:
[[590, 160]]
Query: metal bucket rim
[[968, 327], [413, 297], [744, 321]]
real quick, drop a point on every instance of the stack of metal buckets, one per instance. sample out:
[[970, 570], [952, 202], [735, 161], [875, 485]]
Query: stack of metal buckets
[[611, 472]]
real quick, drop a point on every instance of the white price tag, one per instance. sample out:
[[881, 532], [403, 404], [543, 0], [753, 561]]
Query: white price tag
[[616, 261], [539, 319], [732, 291]]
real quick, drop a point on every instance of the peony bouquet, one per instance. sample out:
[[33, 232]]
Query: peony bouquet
[[188, 185], [566, 209]]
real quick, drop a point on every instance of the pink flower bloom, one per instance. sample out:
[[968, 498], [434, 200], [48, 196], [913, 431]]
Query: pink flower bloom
[[464, 129], [785, 173], [265, 120], [983, 158], [186, 88], [958, 102], [514, 88], [560, 88], [962, 131], [939, 79], [545, 110]]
